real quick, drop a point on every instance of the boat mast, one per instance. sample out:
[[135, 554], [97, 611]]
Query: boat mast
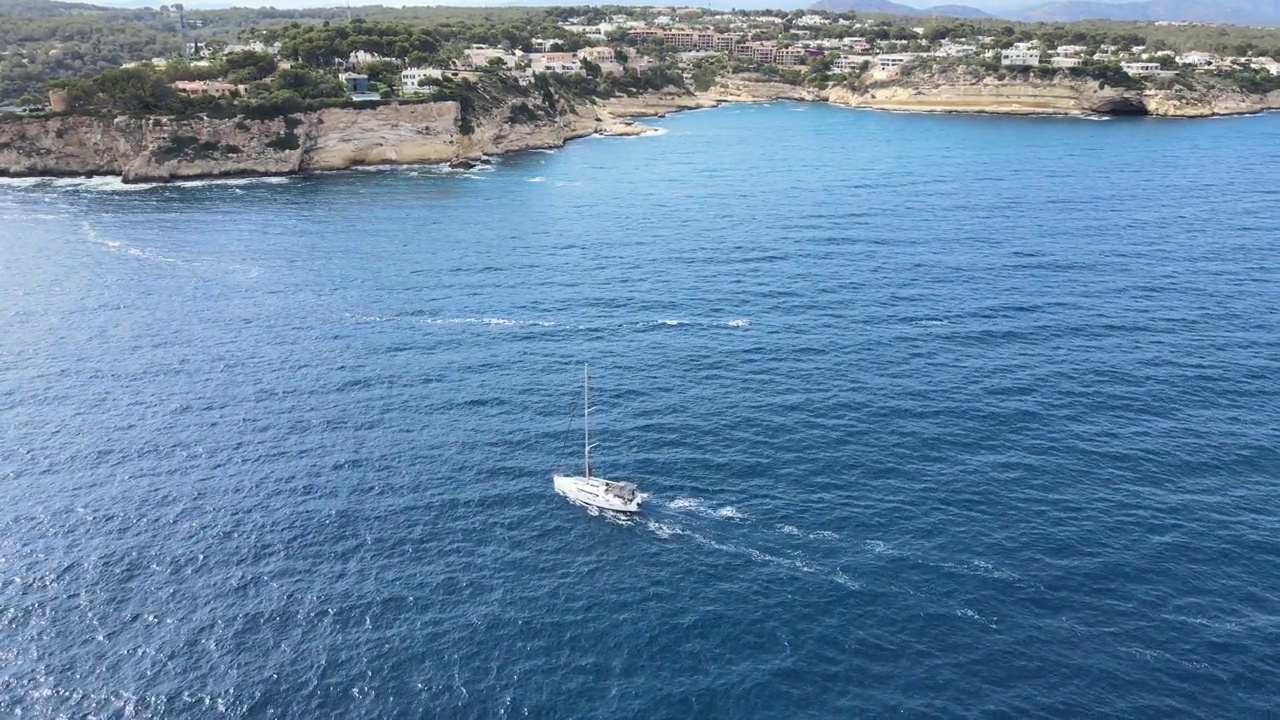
[[586, 422]]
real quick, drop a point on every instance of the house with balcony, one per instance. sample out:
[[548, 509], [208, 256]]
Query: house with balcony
[[411, 80], [555, 62], [893, 62], [1019, 57], [1196, 59], [846, 63], [1139, 69]]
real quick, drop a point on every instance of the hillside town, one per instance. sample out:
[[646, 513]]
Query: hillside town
[[599, 52], [788, 45]]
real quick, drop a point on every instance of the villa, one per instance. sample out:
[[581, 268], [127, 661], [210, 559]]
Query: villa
[[1138, 69], [893, 61], [410, 80], [1196, 59], [1018, 57], [212, 88]]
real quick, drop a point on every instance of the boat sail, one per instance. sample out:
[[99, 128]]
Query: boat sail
[[594, 491]]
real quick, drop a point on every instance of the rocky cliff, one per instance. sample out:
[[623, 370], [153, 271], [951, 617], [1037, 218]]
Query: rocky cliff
[[161, 149], [961, 92]]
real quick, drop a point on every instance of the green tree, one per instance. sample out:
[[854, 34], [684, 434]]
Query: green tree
[[246, 66], [307, 84], [133, 90]]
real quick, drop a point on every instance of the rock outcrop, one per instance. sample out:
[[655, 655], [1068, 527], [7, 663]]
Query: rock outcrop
[[957, 91], [752, 88], [160, 149]]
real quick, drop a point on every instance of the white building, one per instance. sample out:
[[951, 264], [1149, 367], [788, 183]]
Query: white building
[[1069, 50], [255, 46], [1066, 62], [811, 21], [1138, 69], [956, 50], [846, 63], [1014, 57], [1266, 63], [556, 62], [360, 57], [893, 61], [602, 54], [410, 79], [1197, 59]]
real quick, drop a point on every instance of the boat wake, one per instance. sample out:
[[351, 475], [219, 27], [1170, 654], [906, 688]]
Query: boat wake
[[697, 506], [95, 237], [792, 561], [613, 516], [422, 317]]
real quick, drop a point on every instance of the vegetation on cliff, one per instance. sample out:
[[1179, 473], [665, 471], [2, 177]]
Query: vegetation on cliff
[[304, 77], [46, 41]]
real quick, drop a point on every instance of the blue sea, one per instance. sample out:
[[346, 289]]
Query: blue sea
[[935, 416]]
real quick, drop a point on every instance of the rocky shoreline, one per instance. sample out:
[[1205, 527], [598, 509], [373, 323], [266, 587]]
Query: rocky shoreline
[[161, 149]]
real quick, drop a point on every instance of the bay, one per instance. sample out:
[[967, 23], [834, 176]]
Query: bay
[[936, 416]]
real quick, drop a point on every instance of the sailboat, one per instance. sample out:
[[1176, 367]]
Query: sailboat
[[594, 491]]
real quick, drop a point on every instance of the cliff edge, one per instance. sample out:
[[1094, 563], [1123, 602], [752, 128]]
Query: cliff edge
[[955, 90], [158, 149]]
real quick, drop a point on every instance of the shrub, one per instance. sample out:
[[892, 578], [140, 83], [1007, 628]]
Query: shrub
[[288, 140]]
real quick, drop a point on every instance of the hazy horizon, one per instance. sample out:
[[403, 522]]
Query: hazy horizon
[[985, 5]]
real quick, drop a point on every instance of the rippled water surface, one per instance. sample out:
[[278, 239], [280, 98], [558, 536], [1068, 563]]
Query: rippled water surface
[[936, 416]]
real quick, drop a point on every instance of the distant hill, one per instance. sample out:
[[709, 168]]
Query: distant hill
[[1229, 12], [959, 11], [893, 8], [1233, 12], [45, 8]]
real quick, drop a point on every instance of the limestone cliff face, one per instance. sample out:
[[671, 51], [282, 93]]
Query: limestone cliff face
[[961, 92], [1185, 103], [988, 96], [160, 149], [658, 104], [750, 88]]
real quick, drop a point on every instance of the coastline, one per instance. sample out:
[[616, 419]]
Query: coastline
[[159, 149]]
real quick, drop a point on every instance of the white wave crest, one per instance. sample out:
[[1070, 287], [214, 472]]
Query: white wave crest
[[22, 182], [789, 530], [739, 323], [536, 179], [484, 321], [824, 535], [847, 581], [664, 530], [699, 507], [116, 246], [101, 184], [985, 569], [232, 182], [967, 613], [685, 503]]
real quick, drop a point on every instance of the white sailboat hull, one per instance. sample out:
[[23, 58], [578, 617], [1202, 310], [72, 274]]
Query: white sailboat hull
[[597, 492]]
